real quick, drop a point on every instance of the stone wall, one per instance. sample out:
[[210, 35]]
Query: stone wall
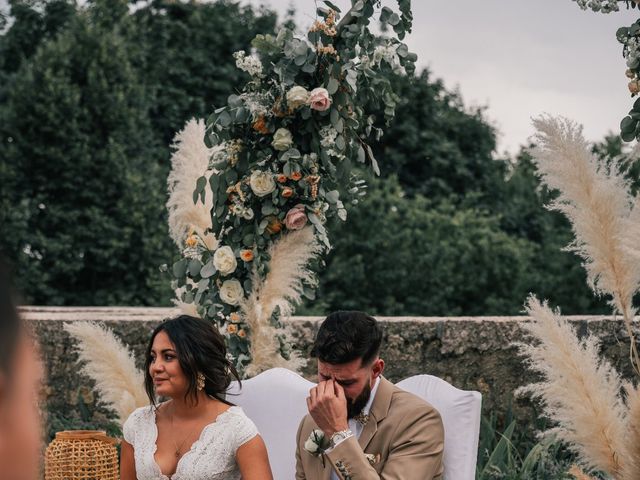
[[472, 353]]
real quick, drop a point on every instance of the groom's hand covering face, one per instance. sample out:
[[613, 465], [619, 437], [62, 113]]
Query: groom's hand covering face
[[328, 407], [342, 391]]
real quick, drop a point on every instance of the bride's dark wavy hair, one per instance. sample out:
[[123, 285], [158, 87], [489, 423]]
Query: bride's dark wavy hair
[[200, 348]]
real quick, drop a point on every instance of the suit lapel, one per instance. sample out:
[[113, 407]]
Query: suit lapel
[[378, 412]]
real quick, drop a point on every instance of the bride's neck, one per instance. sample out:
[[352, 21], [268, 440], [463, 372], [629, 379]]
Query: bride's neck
[[187, 408]]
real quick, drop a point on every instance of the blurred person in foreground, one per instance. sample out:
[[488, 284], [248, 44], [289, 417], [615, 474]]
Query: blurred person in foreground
[[20, 377], [360, 425]]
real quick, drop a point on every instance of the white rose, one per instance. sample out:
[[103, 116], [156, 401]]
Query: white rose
[[231, 292], [225, 260], [297, 96], [313, 444], [310, 446], [282, 139], [262, 183]]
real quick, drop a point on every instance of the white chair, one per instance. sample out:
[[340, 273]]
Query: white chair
[[460, 411], [276, 401]]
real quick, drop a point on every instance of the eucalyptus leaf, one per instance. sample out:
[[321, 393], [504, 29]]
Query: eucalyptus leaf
[[180, 268], [194, 267], [208, 269], [332, 86]]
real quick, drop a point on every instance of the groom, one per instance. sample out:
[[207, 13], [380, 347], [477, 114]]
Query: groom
[[370, 428]]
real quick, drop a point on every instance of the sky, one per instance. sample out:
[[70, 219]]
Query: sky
[[518, 58]]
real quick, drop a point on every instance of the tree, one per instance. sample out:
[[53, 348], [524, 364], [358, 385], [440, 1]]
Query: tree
[[89, 178], [87, 121], [398, 255], [436, 146]]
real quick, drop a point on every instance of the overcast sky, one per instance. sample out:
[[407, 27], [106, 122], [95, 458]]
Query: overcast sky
[[520, 58]]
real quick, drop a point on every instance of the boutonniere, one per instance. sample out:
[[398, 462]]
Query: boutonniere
[[316, 443], [372, 459]]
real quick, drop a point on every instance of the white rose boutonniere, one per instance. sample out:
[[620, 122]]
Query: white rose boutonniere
[[231, 292], [282, 139], [262, 183], [225, 260], [316, 443]]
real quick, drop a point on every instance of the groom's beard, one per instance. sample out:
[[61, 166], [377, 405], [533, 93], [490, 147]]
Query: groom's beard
[[355, 406]]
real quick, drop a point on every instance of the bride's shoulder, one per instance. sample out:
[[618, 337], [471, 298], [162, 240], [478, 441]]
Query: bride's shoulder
[[137, 421], [242, 426], [141, 415]]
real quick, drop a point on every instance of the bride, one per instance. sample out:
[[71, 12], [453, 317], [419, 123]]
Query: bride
[[196, 434]]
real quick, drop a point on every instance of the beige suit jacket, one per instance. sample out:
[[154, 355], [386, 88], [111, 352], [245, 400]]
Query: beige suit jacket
[[404, 434]]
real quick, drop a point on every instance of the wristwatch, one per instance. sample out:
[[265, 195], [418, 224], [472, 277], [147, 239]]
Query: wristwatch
[[337, 437]]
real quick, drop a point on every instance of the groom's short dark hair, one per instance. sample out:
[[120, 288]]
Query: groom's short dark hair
[[347, 335]]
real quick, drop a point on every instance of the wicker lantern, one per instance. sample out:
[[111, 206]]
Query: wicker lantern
[[81, 455]]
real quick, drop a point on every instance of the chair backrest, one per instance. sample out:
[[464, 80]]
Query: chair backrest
[[460, 411], [276, 402]]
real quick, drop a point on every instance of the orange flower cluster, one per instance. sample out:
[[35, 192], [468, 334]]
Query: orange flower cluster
[[328, 50], [328, 27], [260, 125], [192, 240]]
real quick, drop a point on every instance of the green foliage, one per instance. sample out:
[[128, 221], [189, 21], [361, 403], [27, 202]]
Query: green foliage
[[511, 456], [410, 256], [92, 97], [435, 146]]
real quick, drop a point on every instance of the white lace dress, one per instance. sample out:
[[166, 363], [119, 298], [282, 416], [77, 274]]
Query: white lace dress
[[212, 456]]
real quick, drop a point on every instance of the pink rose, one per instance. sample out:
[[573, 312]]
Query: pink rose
[[296, 218], [319, 99]]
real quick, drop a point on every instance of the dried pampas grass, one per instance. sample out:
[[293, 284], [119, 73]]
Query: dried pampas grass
[[189, 162], [282, 288], [579, 391], [596, 201], [110, 364], [578, 474], [632, 467]]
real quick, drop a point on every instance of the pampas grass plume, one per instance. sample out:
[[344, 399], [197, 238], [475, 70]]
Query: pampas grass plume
[[189, 162], [596, 200], [579, 391], [281, 288], [110, 364]]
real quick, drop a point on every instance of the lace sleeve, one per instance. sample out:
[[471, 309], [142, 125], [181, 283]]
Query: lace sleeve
[[245, 430], [129, 428]]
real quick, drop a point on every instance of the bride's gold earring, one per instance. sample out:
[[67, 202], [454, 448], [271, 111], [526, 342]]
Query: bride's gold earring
[[200, 381]]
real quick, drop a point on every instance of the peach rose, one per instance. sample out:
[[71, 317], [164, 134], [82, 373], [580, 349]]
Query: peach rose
[[242, 333], [232, 328], [634, 87], [281, 178], [246, 255], [295, 176], [319, 99], [287, 192], [296, 218], [234, 316]]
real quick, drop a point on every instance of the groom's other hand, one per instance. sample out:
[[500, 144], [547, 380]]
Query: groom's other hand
[[327, 405]]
